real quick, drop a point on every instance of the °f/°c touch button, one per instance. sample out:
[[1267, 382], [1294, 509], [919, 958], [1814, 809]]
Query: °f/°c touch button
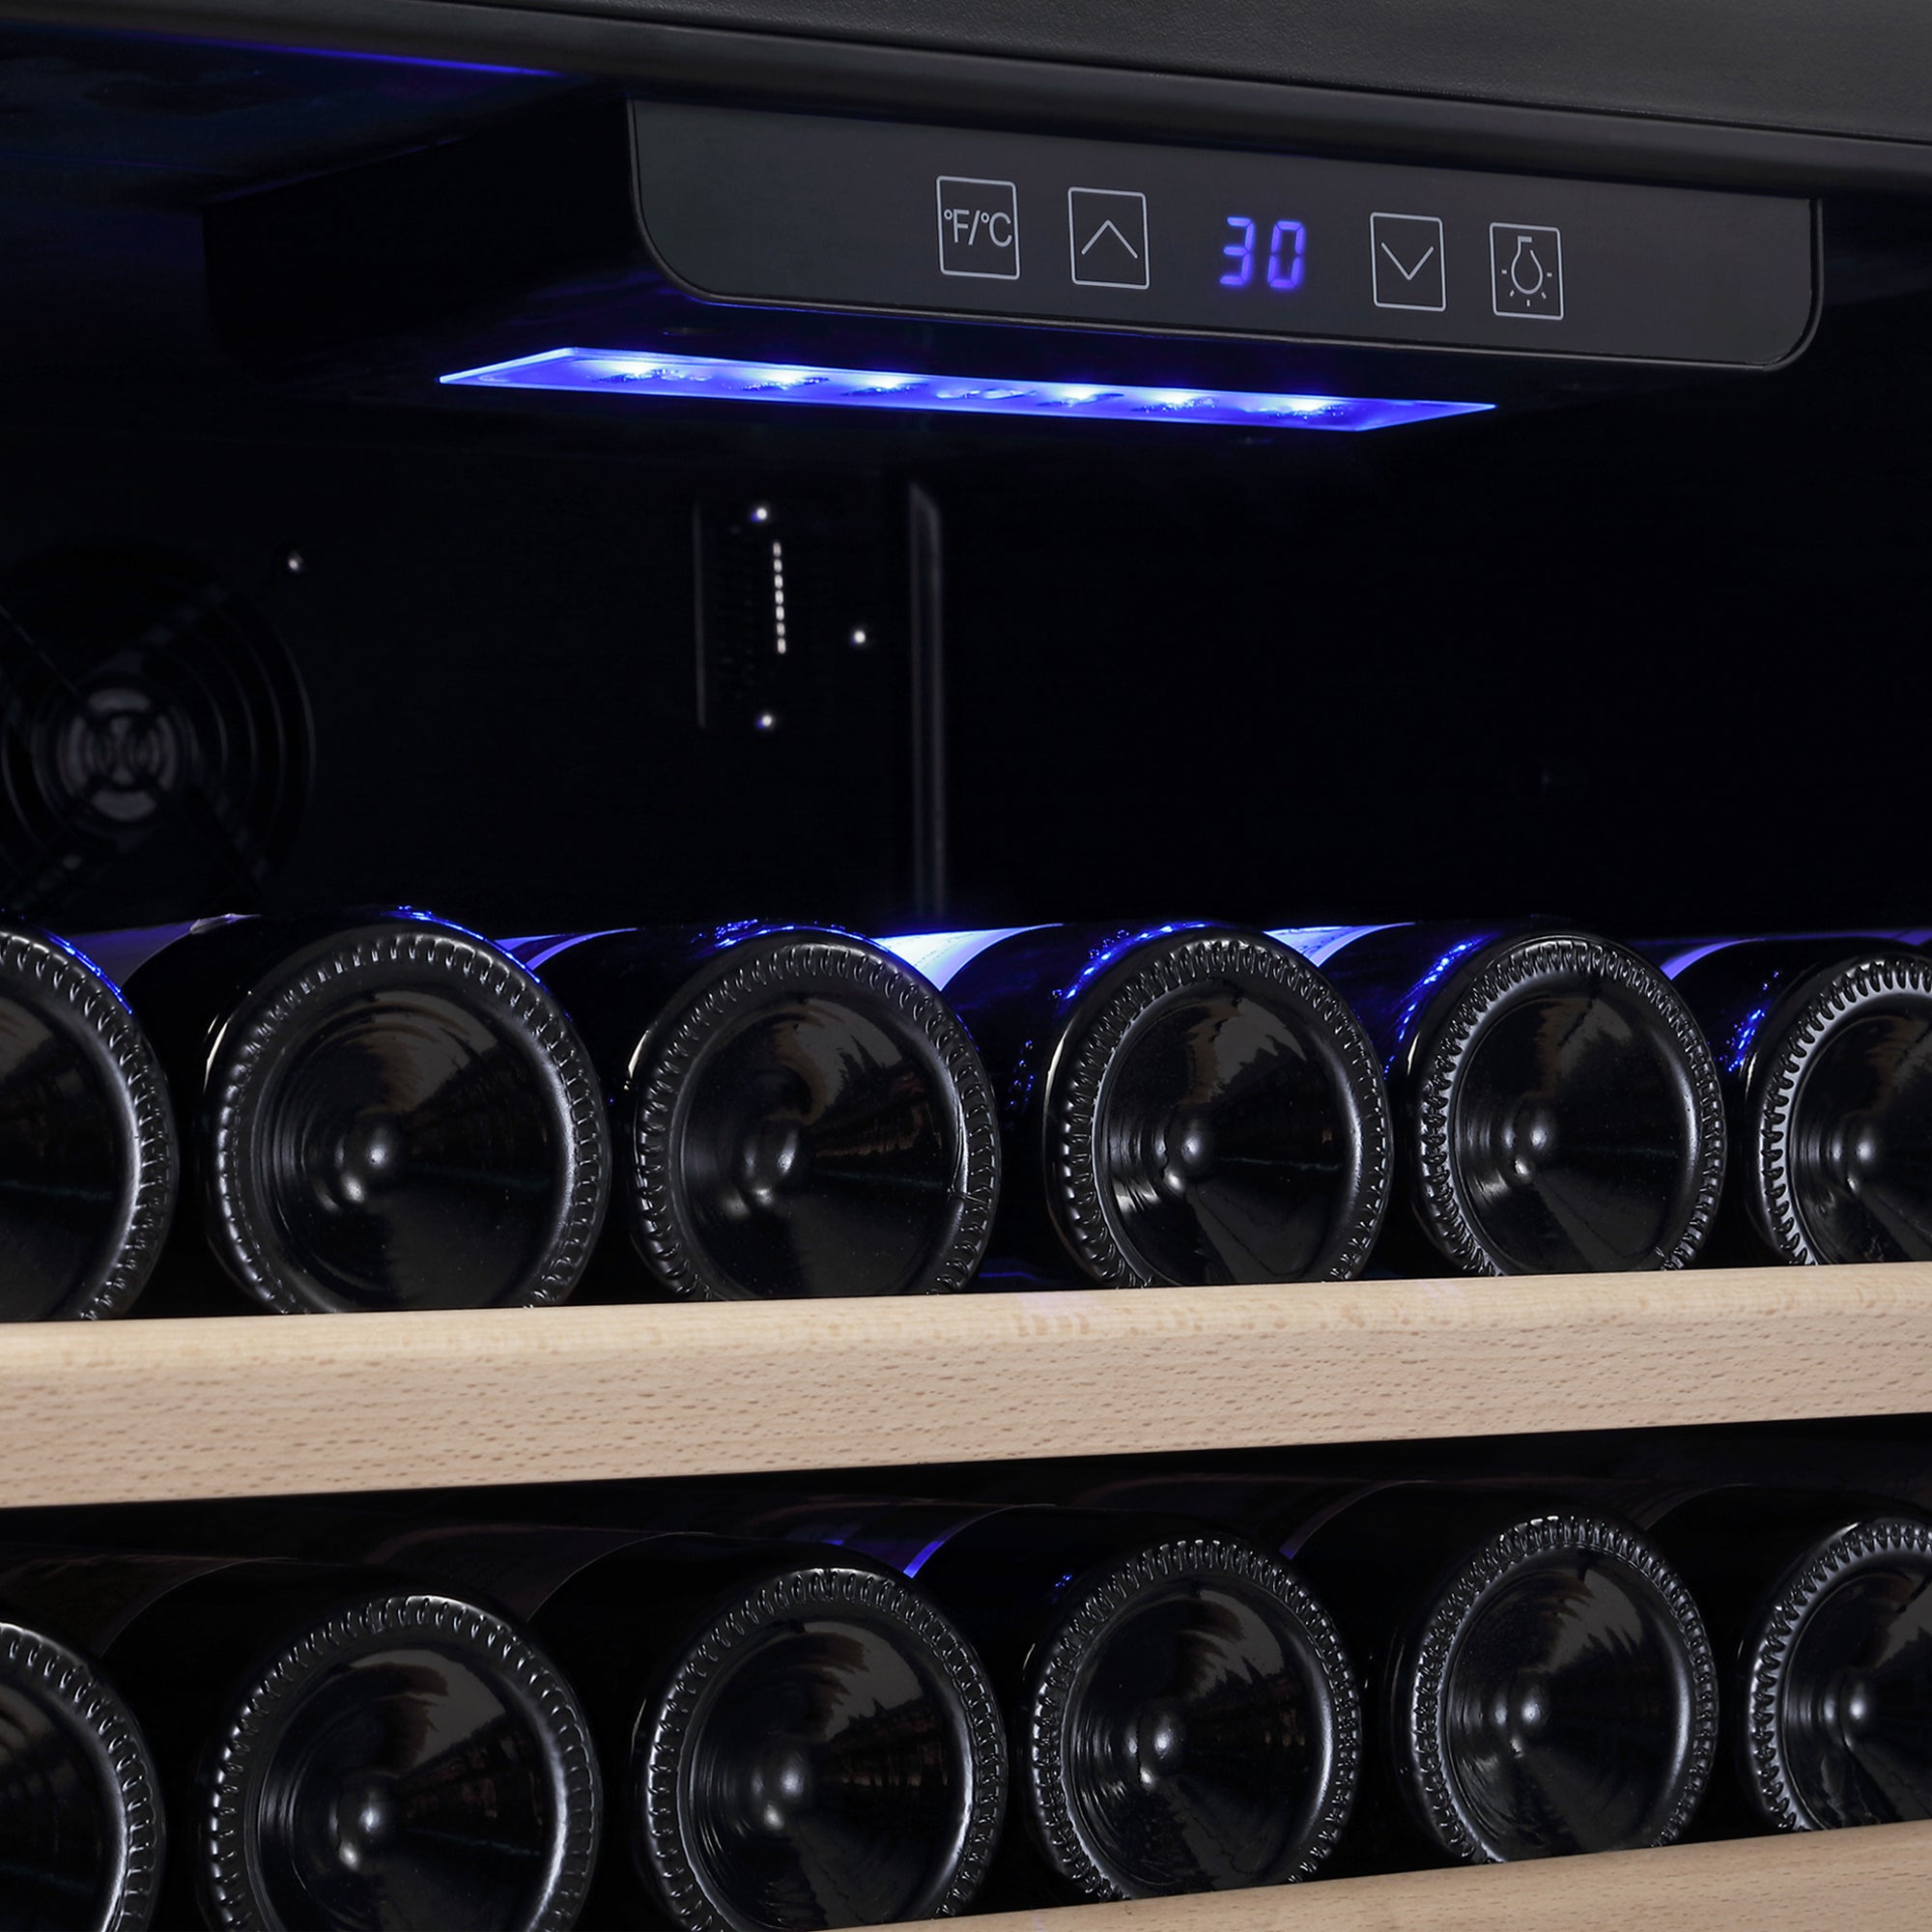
[[979, 228], [1526, 271]]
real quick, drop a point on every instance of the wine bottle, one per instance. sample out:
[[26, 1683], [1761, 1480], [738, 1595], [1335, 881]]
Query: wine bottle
[[87, 1138], [1181, 1714], [341, 1751], [1182, 1104], [802, 1739], [796, 1112], [387, 1111], [1536, 1676], [1556, 1104], [1820, 1610], [1824, 1046], [82, 1829]]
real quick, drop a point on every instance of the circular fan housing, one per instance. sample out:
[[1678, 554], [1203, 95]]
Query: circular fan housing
[[156, 745]]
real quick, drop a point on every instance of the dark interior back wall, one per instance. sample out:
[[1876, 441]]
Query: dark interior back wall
[[1658, 663], [497, 644]]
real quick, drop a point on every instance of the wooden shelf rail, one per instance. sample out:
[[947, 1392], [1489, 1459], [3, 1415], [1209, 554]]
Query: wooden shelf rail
[[1877, 1880], [261, 1406]]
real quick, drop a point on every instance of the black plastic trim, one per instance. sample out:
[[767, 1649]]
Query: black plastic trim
[[1055, 95]]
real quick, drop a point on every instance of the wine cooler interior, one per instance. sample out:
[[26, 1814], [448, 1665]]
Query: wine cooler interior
[[1630, 660], [460, 483], [1634, 663]]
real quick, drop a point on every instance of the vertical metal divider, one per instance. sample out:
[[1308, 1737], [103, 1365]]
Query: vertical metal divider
[[926, 640], [698, 615]]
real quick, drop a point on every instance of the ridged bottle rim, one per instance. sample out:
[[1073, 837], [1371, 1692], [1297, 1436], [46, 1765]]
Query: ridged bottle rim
[[1078, 1071], [1416, 1703], [1112, 1589], [836, 963], [1777, 1072], [41, 964], [313, 980], [1774, 1636], [253, 1727], [1501, 971], [122, 1757], [664, 1728]]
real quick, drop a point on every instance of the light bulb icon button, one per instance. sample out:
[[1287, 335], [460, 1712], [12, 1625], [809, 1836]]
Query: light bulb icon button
[[1526, 263]]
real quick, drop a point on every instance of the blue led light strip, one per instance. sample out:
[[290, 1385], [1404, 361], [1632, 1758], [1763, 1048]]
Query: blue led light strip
[[712, 379]]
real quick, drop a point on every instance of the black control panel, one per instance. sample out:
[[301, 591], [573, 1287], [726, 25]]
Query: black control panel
[[808, 210]]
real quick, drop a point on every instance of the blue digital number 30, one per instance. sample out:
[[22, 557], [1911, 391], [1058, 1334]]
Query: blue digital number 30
[[1288, 245]]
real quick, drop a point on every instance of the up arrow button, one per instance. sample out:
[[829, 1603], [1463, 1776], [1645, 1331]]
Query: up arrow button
[[1107, 237]]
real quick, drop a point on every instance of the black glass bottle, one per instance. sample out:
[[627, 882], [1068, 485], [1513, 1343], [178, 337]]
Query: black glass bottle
[[1535, 1676], [387, 1111], [1820, 1610], [82, 1829], [1182, 1104], [341, 1751], [802, 1741], [1824, 1045], [1180, 1713], [87, 1138], [1556, 1104], [795, 1112]]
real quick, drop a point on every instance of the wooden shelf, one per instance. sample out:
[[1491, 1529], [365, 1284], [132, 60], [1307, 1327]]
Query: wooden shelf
[[260, 1405], [1876, 1880]]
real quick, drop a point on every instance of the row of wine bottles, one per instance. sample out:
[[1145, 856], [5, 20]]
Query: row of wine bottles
[[874, 1712], [1199, 1104], [383, 1110]]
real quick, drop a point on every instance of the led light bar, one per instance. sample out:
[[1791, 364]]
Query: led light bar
[[713, 379]]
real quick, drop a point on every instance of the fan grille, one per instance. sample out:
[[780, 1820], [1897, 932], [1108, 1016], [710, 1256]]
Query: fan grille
[[155, 743]]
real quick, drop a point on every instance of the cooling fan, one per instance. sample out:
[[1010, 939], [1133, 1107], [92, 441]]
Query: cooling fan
[[156, 745]]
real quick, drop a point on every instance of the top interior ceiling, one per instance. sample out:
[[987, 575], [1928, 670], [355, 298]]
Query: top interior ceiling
[[110, 143]]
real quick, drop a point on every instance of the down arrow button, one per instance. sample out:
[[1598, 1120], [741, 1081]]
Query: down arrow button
[[1408, 267]]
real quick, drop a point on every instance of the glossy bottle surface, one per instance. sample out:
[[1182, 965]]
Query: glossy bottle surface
[[1557, 1696], [1181, 1714], [1558, 1104], [1193, 1726], [1825, 1044], [81, 1827], [797, 1113], [1185, 1104], [825, 1752], [87, 1138], [1836, 1694], [403, 1762], [391, 1113], [1536, 1676]]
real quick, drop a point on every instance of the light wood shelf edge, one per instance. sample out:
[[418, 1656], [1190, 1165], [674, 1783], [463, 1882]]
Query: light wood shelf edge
[[1878, 1880], [260, 1405]]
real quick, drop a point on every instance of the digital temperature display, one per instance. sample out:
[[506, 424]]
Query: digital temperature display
[[1286, 261], [749, 207]]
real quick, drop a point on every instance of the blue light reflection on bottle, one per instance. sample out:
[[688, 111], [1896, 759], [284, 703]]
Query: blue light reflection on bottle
[[1390, 974], [1424, 989], [940, 956], [1745, 1039], [1117, 946], [1242, 253], [1315, 943], [1688, 953]]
